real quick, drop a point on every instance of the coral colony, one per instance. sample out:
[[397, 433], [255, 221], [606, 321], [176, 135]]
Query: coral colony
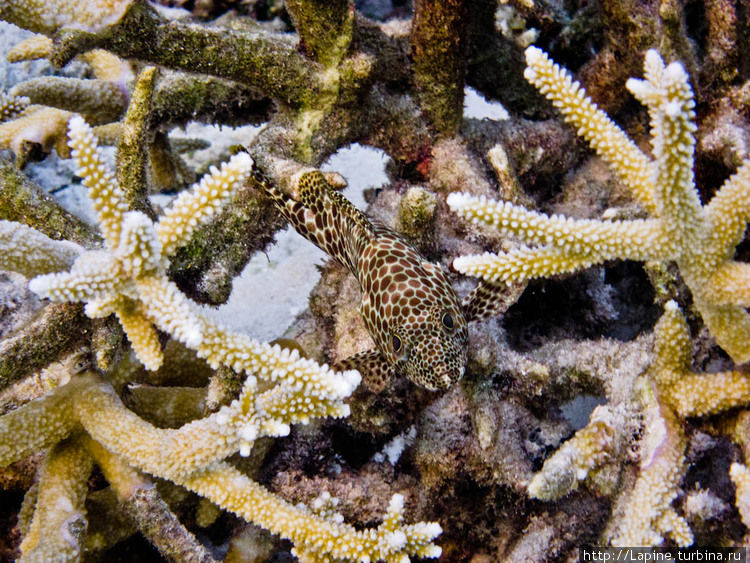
[[125, 409]]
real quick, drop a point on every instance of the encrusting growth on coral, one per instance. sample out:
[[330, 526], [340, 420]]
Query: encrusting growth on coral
[[700, 239], [671, 393], [587, 450]]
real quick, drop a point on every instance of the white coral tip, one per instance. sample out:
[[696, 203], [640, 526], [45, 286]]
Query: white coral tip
[[671, 306], [242, 160], [673, 109], [77, 125], [249, 432], [396, 540], [653, 58], [193, 337], [675, 73], [533, 54], [41, 284], [396, 504], [432, 551]]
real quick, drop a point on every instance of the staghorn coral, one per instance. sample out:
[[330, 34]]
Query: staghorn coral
[[700, 239], [318, 88], [670, 393], [191, 456], [294, 390], [130, 279]]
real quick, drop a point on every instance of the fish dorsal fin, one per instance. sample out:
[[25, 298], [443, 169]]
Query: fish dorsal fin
[[323, 216], [375, 371], [491, 299]]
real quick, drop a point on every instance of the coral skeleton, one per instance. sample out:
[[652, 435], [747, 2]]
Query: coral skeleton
[[590, 448], [699, 239], [671, 392]]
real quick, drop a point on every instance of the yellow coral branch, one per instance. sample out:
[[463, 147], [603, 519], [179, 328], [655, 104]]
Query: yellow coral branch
[[106, 197], [730, 284], [729, 211], [59, 522], [196, 206], [704, 394], [29, 252], [639, 239], [523, 264], [649, 515], [190, 456], [141, 334], [609, 141], [668, 96], [228, 487]]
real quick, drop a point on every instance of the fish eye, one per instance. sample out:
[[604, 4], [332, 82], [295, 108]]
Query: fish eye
[[447, 321], [396, 341]]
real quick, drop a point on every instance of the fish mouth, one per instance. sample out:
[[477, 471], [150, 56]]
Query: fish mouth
[[448, 378]]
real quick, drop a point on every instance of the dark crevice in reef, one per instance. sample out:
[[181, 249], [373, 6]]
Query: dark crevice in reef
[[614, 302]]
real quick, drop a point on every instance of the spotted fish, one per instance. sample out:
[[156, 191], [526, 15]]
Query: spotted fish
[[408, 306]]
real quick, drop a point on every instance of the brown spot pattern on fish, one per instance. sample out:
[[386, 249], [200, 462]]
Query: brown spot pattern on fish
[[408, 306]]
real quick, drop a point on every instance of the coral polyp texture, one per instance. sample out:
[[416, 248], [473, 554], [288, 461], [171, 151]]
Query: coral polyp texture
[[128, 277], [563, 399], [701, 240]]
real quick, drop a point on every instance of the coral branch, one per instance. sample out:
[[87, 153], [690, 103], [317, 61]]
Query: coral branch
[[189, 456], [132, 153], [31, 253], [391, 541], [142, 502], [58, 526], [100, 101], [591, 123], [324, 26], [58, 330], [699, 239], [48, 17], [262, 59], [439, 44]]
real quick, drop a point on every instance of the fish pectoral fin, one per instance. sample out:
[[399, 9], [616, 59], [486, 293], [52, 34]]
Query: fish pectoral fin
[[375, 371], [491, 299]]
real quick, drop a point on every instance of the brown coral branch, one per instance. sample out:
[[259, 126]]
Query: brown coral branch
[[100, 101], [59, 329], [180, 97], [23, 201], [324, 27], [265, 60], [438, 41], [132, 153]]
